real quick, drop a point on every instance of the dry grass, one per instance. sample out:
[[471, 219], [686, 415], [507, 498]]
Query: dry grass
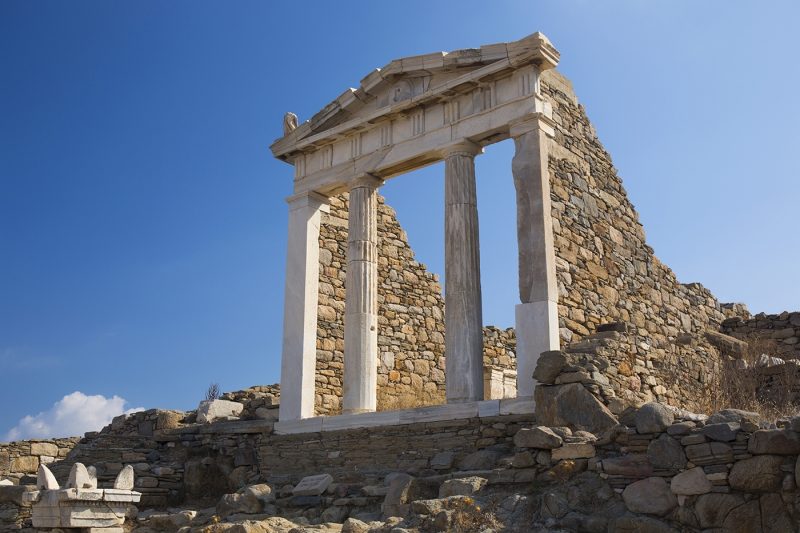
[[740, 384], [469, 517]]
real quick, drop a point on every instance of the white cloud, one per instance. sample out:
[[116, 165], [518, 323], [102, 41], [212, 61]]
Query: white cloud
[[72, 415]]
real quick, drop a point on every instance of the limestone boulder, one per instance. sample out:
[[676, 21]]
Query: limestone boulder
[[691, 482], [549, 366], [212, 410], [574, 406], [353, 525], [649, 496], [462, 487], [537, 437], [248, 500], [653, 417], [774, 441], [761, 473]]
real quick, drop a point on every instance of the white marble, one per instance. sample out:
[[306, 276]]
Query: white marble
[[360, 420], [463, 308], [488, 408], [304, 425], [361, 299], [212, 410], [45, 480], [436, 413], [516, 406], [536, 327], [536, 323], [298, 359]]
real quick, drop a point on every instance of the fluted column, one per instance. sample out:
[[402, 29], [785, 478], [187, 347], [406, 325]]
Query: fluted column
[[537, 314], [301, 295], [361, 298], [463, 312]]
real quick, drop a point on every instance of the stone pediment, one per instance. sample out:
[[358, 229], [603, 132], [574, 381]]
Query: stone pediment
[[411, 82]]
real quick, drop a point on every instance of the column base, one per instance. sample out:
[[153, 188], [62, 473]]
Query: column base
[[537, 331]]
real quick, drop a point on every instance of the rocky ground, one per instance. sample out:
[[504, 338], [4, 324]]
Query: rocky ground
[[659, 470]]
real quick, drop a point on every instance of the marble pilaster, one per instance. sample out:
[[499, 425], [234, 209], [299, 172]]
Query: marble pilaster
[[299, 355]]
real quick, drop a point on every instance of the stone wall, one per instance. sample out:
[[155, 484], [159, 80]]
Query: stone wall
[[410, 319], [19, 461], [606, 271], [783, 330]]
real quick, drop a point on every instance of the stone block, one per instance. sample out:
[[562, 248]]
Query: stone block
[[44, 448], [572, 405], [313, 485], [211, 410]]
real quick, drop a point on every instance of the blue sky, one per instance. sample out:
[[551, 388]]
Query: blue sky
[[142, 222]]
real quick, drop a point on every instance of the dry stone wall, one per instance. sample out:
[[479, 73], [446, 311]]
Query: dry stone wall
[[606, 271], [19, 461], [410, 319], [783, 329]]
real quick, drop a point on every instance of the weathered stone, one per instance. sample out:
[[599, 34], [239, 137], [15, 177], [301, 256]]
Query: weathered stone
[[44, 448], [537, 437], [744, 519], [211, 410], [168, 420], [549, 366], [774, 441], [124, 480], [572, 405], [639, 524], [709, 453], [713, 508], [680, 428], [649, 496], [653, 418], [691, 482], [635, 466], [397, 497], [761, 473], [733, 415], [79, 477], [313, 485], [666, 453], [480, 460], [25, 464], [442, 460], [462, 487], [576, 450], [353, 525], [774, 516], [722, 431], [45, 480]]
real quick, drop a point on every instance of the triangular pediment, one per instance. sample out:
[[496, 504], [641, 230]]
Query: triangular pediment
[[408, 81]]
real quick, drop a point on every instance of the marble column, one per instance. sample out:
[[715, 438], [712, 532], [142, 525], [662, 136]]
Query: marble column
[[537, 314], [361, 299], [301, 295], [463, 312]]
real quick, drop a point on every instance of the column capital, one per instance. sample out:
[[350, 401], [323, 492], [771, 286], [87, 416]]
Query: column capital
[[461, 147], [366, 181], [538, 121], [309, 199]]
